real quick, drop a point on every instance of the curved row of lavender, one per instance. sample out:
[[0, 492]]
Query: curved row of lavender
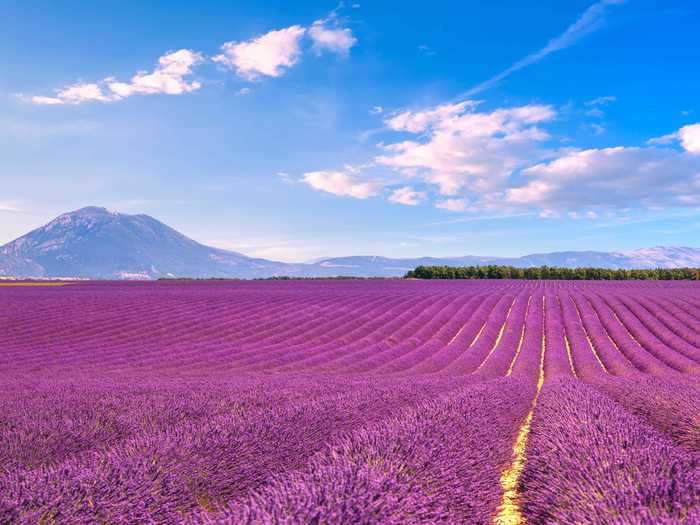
[[350, 402]]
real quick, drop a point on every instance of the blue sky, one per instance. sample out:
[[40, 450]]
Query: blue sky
[[300, 130]]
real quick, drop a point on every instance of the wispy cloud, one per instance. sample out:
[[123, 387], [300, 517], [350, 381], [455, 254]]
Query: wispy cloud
[[426, 50], [11, 206], [170, 76], [688, 136], [597, 104], [407, 196], [663, 140], [456, 205], [41, 128], [591, 20], [457, 148], [270, 55], [327, 36], [503, 161], [271, 247], [600, 101], [596, 129], [595, 112], [343, 184], [613, 178]]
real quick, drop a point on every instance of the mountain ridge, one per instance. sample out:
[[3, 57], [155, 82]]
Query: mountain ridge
[[96, 243]]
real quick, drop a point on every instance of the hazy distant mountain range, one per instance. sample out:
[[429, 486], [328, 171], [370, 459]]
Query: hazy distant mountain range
[[96, 243]]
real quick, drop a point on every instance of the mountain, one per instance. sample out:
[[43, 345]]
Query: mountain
[[11, 265], [657, 257], [96, 243]]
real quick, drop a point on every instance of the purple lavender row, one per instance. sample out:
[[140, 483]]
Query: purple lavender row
[[437, 339], [672, 405], [444, 356], [439, 462], [680, 307], [622, 339], [379, 326], [676, 318], [471, 356], [528, 361], [586, 358], [589, 461], [664, 327], [127, 327], [557, 358], [498, 363], [321, 319], [47, 422], [292, 340], [417, 330], [161, 476], [647, 339]]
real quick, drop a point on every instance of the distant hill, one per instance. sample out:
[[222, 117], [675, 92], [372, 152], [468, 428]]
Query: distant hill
[[658, 257], [11, 265], [96, 243]]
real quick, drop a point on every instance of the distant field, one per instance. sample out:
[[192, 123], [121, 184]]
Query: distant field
[[33, 283], [350, 402]]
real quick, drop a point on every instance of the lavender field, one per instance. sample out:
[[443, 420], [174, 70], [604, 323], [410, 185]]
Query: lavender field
[[328, 402]]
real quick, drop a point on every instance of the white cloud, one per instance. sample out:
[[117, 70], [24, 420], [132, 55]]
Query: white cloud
[[596, 111], [74, 94], [465, 149], [591, 20], [285, 177], [272, 247], [426, 50], [40, 128], [454, 205], [417, 121], [616, 177], [244, 91], [499, 161], [601, 101], [549, 214], [597, 129], [503, 161], [664, 139], [690, 138], [407, 195], [591, 215], [11, 206], [337, 40], [271, 54], [376, 110], [342, 184], [168, 77]]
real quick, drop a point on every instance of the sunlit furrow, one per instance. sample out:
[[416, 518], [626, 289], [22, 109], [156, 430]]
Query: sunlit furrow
[[588, 338], [509, 511], [498, 337]]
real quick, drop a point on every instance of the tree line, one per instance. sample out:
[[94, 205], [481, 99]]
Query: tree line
[[493, 271]]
